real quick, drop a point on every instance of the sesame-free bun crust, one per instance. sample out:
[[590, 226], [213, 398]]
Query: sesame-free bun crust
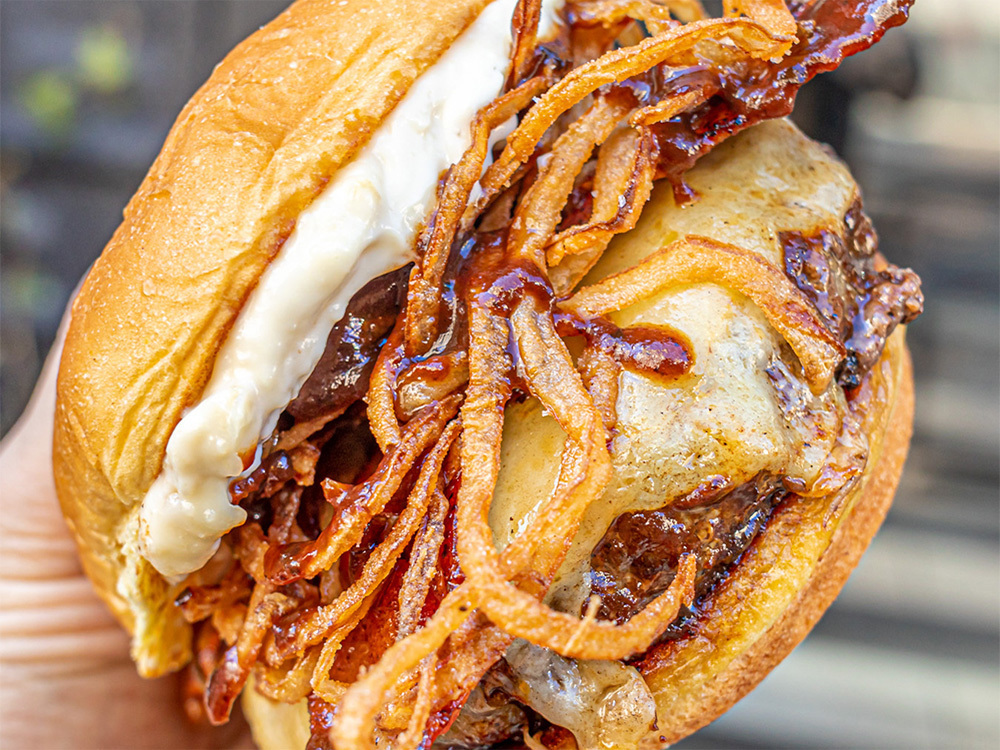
[[252, 148]]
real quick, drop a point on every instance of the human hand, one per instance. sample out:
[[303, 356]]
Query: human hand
[[66, 678]]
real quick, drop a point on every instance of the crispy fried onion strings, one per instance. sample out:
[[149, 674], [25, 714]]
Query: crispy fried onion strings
[[433, 664], [656, 15], [307, 559], [525, 27], [557, 384], [424, 297], [381, 402], [623, 182], [535, 220], [533, 557], [225, 683], [321, 622], [600, 376], [287, 683], [422, 565], [614, 67], [694, 260], [773, 14], [411, 737]]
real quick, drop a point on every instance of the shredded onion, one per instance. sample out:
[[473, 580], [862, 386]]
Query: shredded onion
[[524, 26], [772, 14], [381, 386], [656, 15], [538, 213], [615, 67], [622, 185], [321, 622], [423, 299], [306, 560], [422, 566]]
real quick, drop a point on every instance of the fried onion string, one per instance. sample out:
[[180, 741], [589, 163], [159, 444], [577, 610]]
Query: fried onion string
[[381, 387], [556, 383], [411, 737], [670, 107], [323, 685], [538, 214], [305, 560], [600, 376], [525, 27], [363, 699], [622, 185], [695, 260], [228, 679], [772, 14], [422, 566], [323, 621], [423, 300], [656, 15], [614, 67], [286, 684]]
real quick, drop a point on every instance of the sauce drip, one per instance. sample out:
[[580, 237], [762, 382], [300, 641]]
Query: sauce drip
[[655, 350], [859, 301], [637, 559]]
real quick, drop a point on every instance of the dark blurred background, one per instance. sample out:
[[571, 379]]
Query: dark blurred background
[[909, 656]]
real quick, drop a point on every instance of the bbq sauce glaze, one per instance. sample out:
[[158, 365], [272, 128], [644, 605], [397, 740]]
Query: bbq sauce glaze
[[859, 297], [746, 92]]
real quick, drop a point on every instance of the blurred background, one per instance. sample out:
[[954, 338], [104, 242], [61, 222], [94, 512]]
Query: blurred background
[[909, 656]]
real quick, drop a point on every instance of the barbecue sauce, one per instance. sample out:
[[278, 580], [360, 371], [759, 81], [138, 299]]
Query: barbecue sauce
[[859, 297], [637, 559], [741, 94]]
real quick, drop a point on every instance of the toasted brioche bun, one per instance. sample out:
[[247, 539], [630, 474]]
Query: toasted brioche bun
[[798, 564], [247, 154]]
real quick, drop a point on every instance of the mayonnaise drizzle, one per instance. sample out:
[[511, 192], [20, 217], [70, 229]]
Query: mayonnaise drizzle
[[361, 226]]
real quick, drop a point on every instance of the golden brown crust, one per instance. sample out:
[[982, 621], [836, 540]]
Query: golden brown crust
[[256, 143], [784, 583]]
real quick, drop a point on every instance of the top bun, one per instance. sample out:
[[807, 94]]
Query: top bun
[[281, 114]]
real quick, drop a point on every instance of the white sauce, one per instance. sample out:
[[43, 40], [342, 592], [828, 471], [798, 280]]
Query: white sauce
[[361, 226]]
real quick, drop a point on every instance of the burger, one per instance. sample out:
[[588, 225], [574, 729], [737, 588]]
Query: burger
[[489, 373]]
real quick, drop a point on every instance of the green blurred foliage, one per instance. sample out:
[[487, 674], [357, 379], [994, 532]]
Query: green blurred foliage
[[103, 66], [50, 98], [103, 60]]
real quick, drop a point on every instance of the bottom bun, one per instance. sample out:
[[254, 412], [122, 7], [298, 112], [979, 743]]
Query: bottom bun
[[766, 605]]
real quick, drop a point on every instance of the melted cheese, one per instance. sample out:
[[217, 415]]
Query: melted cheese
[[362, 225], [605, 704]]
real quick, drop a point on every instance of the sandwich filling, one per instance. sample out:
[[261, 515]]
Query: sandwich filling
[[497, 477], [362, 225]]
